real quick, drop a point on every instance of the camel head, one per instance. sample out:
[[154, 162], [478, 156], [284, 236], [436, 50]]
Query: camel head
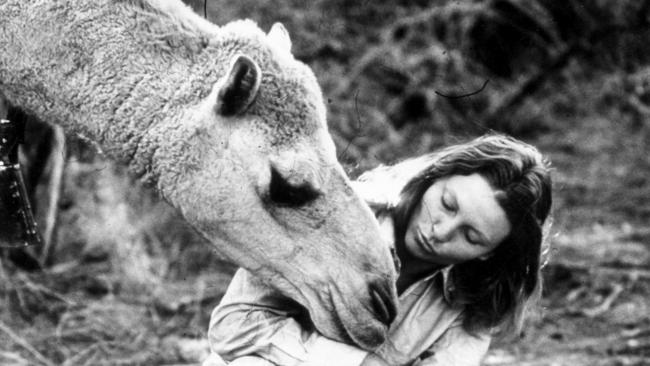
[[260, 179], [229, 126]]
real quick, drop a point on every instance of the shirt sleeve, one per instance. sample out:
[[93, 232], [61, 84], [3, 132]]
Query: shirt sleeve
[[457, 347], [253, 319]]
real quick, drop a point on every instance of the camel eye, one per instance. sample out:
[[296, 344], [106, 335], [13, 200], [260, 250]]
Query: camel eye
[[284, 193]]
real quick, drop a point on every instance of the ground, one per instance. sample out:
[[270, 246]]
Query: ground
[[129, 283]]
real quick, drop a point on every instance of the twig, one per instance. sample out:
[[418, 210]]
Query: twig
[[200, 291], [574, 294], [38, 288], [386, 44], [639, 107], [426, 15], [533, 83], [636, 273], [10, 358], [358, 129], [358, 68], [579, 46], [74, 360], [636, 333], [606, 304], [23, 343]]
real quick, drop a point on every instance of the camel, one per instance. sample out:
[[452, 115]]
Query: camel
[[228, 127]]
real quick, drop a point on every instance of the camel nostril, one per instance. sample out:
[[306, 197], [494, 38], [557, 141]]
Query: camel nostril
[[383, 304]]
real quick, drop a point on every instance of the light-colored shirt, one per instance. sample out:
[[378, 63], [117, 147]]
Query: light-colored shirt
[[254, 319]]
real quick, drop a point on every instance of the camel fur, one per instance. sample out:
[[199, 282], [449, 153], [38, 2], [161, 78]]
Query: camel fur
[[216, 118]]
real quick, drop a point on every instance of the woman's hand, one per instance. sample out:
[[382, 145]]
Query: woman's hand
[[373, 360]]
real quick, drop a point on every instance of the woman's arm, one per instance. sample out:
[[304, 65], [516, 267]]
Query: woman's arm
[[253, 319], [457, 347]]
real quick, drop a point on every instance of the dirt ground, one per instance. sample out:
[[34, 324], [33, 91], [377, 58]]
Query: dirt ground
[[128, 283]]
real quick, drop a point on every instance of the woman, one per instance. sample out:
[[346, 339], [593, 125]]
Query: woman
[[466, 224]]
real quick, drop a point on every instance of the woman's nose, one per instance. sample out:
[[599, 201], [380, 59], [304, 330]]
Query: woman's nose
[[443, 229]]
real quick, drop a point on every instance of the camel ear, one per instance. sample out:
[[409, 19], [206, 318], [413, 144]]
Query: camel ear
[[240, 87], [279, 36]]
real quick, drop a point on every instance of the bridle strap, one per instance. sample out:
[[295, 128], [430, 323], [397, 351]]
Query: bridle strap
[[17, 225]]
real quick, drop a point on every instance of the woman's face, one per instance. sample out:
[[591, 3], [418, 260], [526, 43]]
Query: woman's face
[[458, 219]]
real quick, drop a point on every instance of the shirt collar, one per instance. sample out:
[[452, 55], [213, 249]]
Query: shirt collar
[[447, 283]]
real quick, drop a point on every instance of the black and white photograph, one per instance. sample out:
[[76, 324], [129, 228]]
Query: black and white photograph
[[324, 183]]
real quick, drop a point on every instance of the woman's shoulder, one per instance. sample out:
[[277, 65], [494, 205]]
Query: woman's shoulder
[[386, 227]]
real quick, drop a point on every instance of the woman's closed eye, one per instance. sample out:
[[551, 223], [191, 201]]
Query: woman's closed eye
[[472, 237], [447, 201], [450, 204]]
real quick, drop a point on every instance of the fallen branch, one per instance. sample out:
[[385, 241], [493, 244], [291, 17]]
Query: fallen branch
[[604, 306], [533, 84], [632, 272], [582, 45], [387, 40], [358, 68], [38, 288], [23, 343]]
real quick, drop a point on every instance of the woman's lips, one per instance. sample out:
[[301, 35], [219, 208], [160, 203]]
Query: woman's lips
[[423, 242]]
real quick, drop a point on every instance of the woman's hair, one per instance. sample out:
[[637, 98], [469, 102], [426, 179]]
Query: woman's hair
[[495, 292]]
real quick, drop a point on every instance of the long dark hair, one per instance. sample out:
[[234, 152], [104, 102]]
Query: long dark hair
[[494, 292]]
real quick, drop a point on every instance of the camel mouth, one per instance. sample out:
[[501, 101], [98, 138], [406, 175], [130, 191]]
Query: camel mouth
[[383, 304], [365, 326], [369, 335]]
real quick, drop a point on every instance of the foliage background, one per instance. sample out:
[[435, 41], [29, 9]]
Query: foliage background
[[129, 283]]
